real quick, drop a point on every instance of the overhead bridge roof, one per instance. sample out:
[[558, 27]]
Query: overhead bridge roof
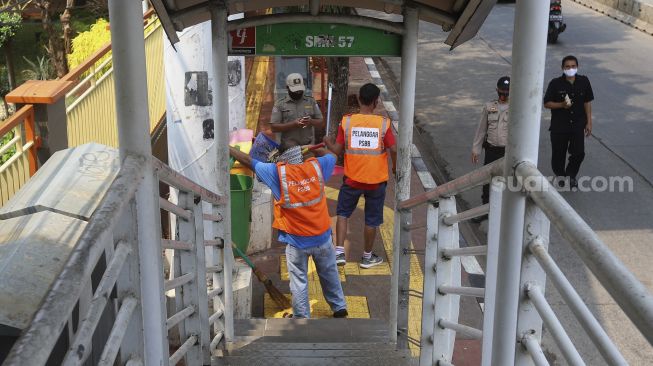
[[462, 18]]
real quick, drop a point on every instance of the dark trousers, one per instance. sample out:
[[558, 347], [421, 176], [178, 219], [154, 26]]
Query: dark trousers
[[492, 153], [561, 143]]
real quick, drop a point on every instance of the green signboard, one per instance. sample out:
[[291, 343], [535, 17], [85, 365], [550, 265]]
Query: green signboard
[[314, 39]]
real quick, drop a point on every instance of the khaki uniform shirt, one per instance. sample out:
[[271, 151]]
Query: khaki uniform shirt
[[493, 126], [285, 110]]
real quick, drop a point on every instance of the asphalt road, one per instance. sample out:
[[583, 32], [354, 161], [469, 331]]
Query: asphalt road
[[451, 89]]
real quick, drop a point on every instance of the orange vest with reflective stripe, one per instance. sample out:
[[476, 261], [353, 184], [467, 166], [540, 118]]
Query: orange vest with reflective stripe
[[366, 160], [301, 209]]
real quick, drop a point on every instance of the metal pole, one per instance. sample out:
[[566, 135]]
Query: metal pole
[[558, 333], [608, 350], [401, 262], [219, 45], [314, 5], [532, 345], [528, 55], [497, 188], [529, 322], [328, 127], [132, 115]]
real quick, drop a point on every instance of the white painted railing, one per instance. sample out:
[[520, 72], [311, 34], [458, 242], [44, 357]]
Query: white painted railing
[[442, 288], [109, 246]]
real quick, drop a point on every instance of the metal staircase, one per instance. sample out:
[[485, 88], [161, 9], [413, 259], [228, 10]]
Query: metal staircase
[[318, 342]]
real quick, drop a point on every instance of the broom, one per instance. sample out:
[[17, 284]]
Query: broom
[[274, 292]]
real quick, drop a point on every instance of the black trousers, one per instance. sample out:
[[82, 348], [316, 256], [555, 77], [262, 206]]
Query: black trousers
[[561, 143], [492, 153]]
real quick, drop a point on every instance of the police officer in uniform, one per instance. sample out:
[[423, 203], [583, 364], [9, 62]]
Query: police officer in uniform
[[492, 131], [295, 117]]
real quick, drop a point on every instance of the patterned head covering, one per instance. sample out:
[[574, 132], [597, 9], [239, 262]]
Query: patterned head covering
[[292, 155]]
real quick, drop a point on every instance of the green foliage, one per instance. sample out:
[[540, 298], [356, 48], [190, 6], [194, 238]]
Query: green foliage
[[39, 70], [9, 153], [10, 23], [87, 43]]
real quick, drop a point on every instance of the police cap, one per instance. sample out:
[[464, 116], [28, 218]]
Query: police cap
[[504, 82]]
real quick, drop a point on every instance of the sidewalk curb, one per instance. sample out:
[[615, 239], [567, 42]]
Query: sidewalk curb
[[637, 14], [470, 264]]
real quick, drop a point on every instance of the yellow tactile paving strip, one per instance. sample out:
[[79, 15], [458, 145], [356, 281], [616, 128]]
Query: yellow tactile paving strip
[[256, 90], [357, 305], [416, 279]]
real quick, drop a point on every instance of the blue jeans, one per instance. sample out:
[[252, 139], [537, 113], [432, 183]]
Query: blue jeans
[[324, 257]]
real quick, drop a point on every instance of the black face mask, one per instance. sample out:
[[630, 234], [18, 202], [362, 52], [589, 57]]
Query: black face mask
[[296, 95], [503, 95]]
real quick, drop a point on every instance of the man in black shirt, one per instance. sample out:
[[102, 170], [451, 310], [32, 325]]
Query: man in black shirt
[[569, 98]]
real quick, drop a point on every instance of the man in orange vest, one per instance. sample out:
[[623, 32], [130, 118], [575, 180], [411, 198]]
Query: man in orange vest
[[366, 138], [302, 219]]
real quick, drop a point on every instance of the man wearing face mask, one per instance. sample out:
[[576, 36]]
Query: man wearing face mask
[[569, 97], [492, 132], [295, 116]]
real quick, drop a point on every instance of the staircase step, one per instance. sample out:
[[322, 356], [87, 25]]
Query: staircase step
[[313, 342], [269, 360], [313, 330], [317, 350], [255, 344]]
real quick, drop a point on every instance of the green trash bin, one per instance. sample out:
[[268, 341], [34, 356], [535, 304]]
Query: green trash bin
[[241, 210]]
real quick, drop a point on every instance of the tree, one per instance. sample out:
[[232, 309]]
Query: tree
[[56, 39], [100, 8], [10, 23], [65, 24]]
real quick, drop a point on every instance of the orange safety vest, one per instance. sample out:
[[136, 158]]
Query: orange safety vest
[[301, 209], [366, 160]]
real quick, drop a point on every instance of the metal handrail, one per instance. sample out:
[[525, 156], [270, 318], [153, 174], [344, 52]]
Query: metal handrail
[[592, 327], [471, 332], [558, 333], [118, 331], [631, 295], [84, 336], [466, 215], [468, 181], [175, 179], [625, 288], [533, 347], [38, 340]]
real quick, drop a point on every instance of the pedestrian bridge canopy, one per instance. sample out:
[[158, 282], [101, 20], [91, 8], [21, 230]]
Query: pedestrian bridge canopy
[[462, 18]]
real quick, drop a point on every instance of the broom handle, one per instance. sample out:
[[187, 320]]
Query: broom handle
[[329, 110], [243, 256]]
